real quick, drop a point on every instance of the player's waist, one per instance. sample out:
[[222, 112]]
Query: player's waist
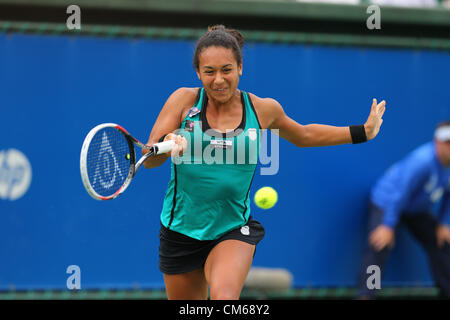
[[205, 222], [215, 183]]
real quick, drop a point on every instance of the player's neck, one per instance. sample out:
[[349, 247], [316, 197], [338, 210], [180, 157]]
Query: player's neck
[[219, 107]]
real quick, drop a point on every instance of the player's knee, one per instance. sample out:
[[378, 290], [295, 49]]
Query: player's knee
[[224, 292]]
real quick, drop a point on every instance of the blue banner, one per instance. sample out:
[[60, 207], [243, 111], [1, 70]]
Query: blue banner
[[54, 89]]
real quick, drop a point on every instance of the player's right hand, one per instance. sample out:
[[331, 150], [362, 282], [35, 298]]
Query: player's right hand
[[180, 144]]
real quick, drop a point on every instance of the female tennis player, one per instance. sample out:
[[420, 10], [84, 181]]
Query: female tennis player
[[207, 236]]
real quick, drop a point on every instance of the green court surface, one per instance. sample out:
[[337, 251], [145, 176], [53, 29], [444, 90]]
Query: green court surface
[[425, 293]]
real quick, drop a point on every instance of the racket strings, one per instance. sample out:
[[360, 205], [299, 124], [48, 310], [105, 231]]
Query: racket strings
[[108, 161]]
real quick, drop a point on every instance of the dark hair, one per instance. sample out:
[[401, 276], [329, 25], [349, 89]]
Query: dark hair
[[443, 124], [220, 36]]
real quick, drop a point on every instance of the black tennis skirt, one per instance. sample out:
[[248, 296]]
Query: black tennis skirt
[[179, 253]]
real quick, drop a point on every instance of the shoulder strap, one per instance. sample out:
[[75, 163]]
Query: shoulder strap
[[199, 101], [250, 108], [194, 111]]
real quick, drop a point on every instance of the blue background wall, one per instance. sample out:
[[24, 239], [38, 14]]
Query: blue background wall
[[54, 89]]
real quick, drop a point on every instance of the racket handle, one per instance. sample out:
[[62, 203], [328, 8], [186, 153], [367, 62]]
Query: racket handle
[[163, 147]]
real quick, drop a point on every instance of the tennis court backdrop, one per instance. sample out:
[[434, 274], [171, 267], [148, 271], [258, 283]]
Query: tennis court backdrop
[[54, 89]]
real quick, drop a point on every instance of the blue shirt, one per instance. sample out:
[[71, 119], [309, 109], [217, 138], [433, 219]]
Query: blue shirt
[[418, 183]]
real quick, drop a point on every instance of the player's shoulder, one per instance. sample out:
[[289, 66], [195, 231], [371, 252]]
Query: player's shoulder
[[263, 102], [185, 94], [182, 100], [267, 109]]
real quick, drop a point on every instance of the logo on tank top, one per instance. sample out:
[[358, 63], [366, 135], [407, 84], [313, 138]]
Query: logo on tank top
[[252, 134], [223, 144], [193, 111], [189, 126]]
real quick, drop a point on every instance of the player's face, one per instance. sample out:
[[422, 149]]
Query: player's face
[[443, 150], [219, 73]]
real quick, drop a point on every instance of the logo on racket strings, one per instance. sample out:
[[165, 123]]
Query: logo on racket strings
[[15, 174], [107, 167]]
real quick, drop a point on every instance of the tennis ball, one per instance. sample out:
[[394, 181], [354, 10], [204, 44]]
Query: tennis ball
[[266, 197]]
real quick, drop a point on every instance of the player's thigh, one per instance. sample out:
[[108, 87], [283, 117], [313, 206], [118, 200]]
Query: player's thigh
[[226, 268], [186, 286]]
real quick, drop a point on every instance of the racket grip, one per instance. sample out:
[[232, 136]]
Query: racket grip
[[164, 147]]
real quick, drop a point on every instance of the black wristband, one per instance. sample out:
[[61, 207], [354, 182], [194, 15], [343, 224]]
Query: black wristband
[[358, 134], [162, 138]]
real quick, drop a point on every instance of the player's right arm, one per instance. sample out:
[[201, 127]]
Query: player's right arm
[[169, 120]]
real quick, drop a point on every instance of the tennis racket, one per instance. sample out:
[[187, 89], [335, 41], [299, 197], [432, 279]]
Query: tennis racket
[[108, 160]]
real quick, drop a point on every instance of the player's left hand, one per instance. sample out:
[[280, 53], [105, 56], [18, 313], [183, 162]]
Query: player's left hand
[[442, 235], [373, 123], [381, 237]]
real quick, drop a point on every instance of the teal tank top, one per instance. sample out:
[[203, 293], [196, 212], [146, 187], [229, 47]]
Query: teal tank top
[[208, 193]]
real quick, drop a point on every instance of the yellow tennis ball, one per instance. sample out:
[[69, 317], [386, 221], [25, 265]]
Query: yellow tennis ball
[[266, 197]]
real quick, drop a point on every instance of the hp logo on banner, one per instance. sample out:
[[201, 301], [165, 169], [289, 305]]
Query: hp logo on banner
[[15, 174]]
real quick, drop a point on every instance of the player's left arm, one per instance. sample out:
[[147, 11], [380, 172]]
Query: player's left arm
[[316, 135]]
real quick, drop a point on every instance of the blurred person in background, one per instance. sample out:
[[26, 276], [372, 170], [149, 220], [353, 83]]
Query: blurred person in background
[[392, 3], [407, 3], [406, 194]]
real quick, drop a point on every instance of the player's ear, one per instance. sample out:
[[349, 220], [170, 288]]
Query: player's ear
[[198, 73], [240, 69]]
